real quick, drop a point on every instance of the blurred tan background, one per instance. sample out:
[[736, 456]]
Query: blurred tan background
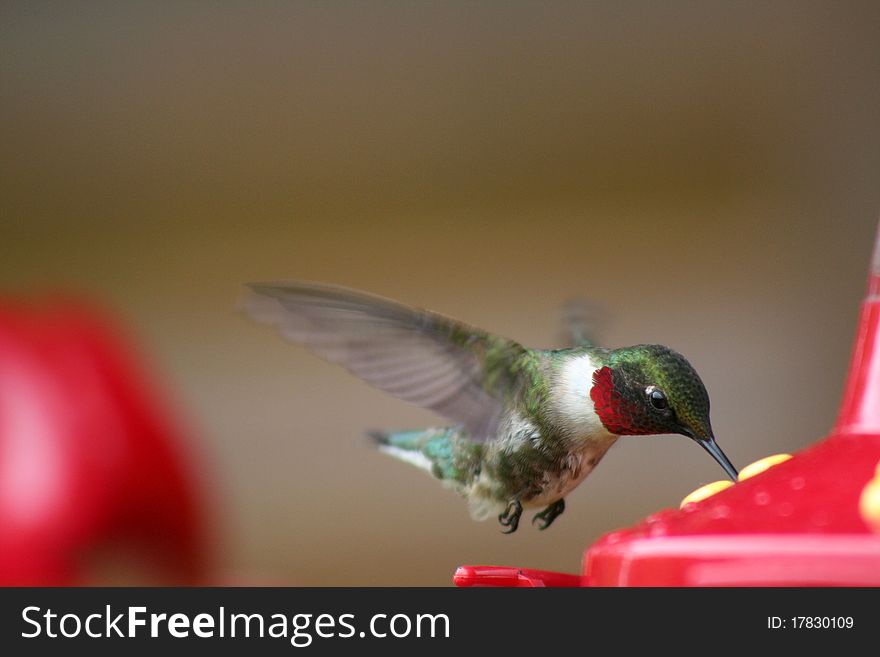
[[707, 172]]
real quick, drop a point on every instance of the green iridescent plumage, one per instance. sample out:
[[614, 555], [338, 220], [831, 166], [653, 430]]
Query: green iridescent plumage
[[645, 365], [528, 424]]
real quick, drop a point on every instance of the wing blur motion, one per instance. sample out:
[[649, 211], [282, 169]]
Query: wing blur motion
[[416, 355], [580, 320]]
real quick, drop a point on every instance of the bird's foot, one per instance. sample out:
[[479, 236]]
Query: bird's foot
[[510, 517], [548, 515]]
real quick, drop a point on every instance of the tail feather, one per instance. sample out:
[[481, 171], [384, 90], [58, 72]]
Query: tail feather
[[445, 453], [378, 437]]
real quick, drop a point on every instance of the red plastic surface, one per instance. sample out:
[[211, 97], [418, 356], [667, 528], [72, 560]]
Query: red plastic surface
[[90, 464], [512, 577], [860, 408], [797, 523]]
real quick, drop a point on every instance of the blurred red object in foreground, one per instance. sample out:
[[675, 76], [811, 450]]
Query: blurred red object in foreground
[[90, 465], [804, 522]]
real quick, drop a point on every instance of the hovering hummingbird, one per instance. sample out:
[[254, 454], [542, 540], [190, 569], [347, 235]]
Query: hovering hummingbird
[[529, 424]]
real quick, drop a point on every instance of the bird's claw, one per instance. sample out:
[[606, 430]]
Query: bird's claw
[[510, 517], [546, 517]]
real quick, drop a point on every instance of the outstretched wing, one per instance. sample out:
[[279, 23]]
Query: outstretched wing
[[460, 372]]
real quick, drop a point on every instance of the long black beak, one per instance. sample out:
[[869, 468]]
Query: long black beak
[[712, 447]]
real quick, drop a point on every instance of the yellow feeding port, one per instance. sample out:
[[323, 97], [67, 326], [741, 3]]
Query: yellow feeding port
[[706, 491], [759, 466], [869, 502]]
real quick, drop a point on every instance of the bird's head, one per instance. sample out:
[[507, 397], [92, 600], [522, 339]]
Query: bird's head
[[651, 389]]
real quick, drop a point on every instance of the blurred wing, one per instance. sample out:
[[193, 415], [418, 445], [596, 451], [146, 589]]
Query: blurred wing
[[581, 320], [416, 355]]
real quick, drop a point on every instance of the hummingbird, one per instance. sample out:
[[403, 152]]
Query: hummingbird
[[526, 425]]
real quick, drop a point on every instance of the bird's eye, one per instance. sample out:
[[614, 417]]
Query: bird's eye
[[657, 398]]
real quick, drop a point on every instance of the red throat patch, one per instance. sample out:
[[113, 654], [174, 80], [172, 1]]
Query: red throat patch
[[615, 412]]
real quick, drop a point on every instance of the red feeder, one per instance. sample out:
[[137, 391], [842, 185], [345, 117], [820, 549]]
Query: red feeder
[[90, 465], [813, 520]]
